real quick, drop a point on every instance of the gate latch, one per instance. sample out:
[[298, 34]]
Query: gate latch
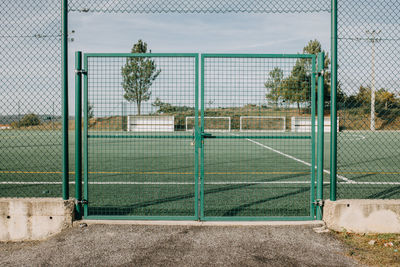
[[319, 202], [80, 71], [207, 135]]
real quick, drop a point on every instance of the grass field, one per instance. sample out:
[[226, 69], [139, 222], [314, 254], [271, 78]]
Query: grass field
[[242, 177]]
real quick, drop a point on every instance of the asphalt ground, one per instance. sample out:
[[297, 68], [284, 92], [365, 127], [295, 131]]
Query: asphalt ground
[[146, 245]]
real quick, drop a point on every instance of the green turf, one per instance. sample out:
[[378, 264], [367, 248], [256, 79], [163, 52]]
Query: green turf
[[231, 167]]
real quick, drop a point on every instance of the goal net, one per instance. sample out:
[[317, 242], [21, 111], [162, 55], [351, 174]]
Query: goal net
[[262, 123]]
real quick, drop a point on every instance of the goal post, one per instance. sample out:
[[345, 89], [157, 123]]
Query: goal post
[[262, 123], [217, 124]]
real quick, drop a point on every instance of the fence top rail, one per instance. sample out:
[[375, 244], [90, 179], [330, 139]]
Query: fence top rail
[[258, 56], [202, 55], [141, 55]]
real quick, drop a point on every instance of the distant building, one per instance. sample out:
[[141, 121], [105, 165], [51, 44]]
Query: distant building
[[4, 126]]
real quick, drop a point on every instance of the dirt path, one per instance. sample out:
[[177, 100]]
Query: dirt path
[[136, 245]]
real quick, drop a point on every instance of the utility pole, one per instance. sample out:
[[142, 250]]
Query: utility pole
[[373, 40]]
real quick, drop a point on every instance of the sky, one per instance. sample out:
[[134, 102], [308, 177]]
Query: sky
[[195, 33]]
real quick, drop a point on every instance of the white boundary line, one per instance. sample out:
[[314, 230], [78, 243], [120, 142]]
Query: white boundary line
[[356, 137], [296, 159], [159, 183]]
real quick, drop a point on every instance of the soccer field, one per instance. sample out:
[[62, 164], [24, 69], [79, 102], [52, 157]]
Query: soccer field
[[155, 176]]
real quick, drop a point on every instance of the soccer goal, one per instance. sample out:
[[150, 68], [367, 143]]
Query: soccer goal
[[150, 123], [217, 124], [262, 123]]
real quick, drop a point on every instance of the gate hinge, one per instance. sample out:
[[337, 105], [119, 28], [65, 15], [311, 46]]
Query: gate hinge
[[319, 202], [80, 71], [81, 202]]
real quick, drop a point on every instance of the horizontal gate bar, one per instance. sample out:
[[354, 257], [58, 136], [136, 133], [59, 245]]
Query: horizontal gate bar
[[141, 136], [138, 217], [258, 218], [141, 55], [191, 137], [256, 137], [258, 55]]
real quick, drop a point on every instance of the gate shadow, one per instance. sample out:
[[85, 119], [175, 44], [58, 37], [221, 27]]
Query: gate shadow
[[129, 209]]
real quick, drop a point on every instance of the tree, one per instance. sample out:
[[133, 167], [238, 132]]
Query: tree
[[90, 111], [138, 75], [29, 120], [314, 47], [167, 108], [274, 86]]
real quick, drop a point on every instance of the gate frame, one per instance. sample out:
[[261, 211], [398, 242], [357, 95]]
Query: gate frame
[[85, 199], [200, 135], [315, 203]]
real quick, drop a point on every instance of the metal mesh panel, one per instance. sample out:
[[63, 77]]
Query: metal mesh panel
[[368, 68], [253, 173], [192, 6], [368, 44], [141, 160], [30, 98]]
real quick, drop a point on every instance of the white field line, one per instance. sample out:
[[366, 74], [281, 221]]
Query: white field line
[[296, 159], [192, 183], [159, 183]]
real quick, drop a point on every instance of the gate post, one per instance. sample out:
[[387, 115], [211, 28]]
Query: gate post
[[320, 147], [64, 112], [334, 61], [78, 133]]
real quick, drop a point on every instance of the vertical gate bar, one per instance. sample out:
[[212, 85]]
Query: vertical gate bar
[[320, 151], [85, 133], [196, 138], [333, 144], [312, 191], [202, 141], [78, 133], [64, 81]]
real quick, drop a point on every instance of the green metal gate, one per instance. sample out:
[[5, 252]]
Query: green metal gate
[[139, 162], [154, 149], [261, 167]]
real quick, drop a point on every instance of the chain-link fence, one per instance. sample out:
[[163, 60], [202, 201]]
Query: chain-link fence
[[205, 6], [368, 88], [30, 98], [368, 99]]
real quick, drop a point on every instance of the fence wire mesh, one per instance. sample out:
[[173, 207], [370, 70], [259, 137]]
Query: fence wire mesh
[[262, 165], [141, 159], [368, 99], [30, 98], [368, 55], [205, 6]]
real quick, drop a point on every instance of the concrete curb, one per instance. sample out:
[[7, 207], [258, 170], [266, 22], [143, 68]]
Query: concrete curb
[[363, 215], [23, 219]]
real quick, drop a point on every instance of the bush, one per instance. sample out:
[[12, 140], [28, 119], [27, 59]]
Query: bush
[[29, 120]]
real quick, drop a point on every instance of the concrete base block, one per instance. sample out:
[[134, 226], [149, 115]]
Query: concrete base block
[[363, 215], [24, 219]]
